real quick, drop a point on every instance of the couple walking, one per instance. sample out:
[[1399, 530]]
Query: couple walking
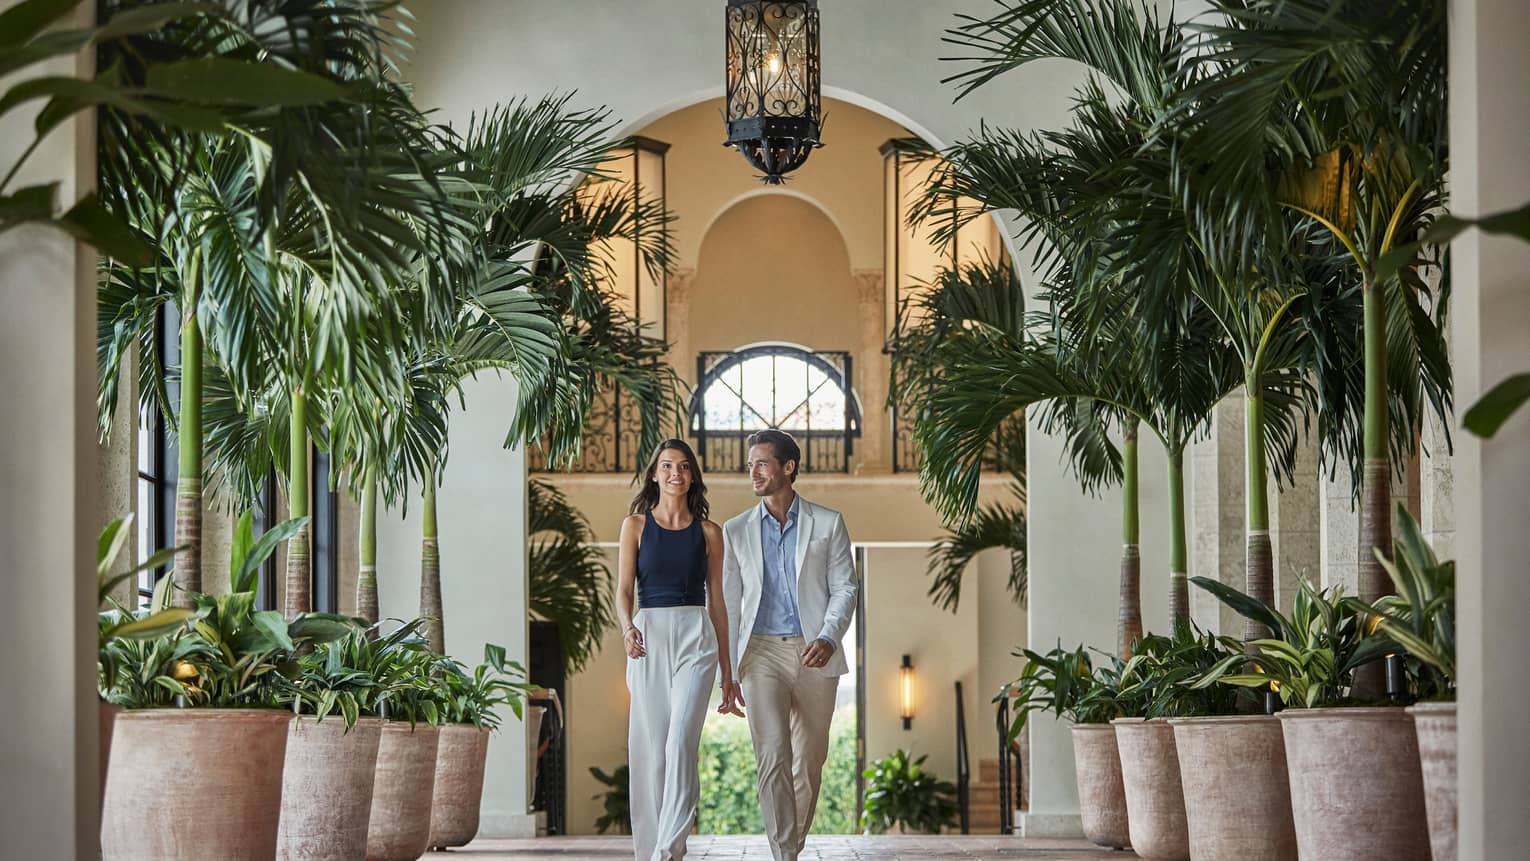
[[767, 598]]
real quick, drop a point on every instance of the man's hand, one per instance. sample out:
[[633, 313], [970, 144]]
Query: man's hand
[[632, 639], [733, 699], [818, 653]]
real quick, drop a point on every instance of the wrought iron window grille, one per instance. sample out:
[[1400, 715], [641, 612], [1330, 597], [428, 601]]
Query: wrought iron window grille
[[805, 393]]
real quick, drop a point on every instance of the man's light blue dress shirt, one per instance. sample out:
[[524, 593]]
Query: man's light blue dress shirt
[[778, 594]]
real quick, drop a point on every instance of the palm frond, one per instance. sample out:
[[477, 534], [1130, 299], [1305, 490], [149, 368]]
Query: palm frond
[[997, 525], [568, 579]]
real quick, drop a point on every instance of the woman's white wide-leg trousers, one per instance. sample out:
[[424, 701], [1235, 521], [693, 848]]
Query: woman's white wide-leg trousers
[[671, 686]]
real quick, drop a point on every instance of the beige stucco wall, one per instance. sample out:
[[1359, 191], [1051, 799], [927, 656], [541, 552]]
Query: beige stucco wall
[[774, 268], [843, 179]]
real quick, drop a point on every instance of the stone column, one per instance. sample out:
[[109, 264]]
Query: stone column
[[1437, 507], [1489, 124], [872, 372], [1339, 540], [677, 322], [1296, 524], [1340, 516], [117, 475], [49, 778], [482, 514], [1217, 514]]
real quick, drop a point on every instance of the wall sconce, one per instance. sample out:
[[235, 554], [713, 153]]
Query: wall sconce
[[906, 673]]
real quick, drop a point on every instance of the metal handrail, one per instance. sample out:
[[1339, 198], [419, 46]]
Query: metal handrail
[[1006, 797], [963, 769]]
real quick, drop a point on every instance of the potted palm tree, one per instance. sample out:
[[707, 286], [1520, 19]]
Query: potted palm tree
[[117, 622], [1153, 691], [346, 681], [1349, 133], [402, 786], [1068, 685], [202, 718], [1420, 618], [1330, 737], [472, 708]]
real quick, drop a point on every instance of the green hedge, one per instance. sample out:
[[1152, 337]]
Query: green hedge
[[730, 802]]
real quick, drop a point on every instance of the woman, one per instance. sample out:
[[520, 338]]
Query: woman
[[671, 556]]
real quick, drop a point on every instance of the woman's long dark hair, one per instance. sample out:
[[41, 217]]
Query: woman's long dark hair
[[648, 496]]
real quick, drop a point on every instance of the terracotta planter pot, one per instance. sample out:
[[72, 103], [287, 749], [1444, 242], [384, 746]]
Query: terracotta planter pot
[[401, 792], [1356, 788], [1436, 725], [1237, 795], [108, 721], [194, 784], [1101, 798], [459, 785], [327, 789], [1155, 803]]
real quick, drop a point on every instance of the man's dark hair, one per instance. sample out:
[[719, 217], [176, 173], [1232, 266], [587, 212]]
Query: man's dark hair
[[781, 445]]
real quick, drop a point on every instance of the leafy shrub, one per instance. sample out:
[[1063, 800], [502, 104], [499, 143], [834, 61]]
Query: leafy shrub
[[899, 792], [730, 798], [1067, 684], [618, 810]]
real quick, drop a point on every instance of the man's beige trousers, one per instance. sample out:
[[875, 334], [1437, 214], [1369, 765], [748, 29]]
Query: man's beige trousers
[[789, 708]]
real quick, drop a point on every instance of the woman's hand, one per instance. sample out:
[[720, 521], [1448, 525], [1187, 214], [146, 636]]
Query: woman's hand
[[632, 639], [733, 698]]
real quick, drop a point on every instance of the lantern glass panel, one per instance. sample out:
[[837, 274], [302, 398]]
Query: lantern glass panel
[[914, 257], [637, 173]]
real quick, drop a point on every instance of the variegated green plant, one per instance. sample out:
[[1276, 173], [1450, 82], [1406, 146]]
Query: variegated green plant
[[475, 698], [1159, 680], [1065, 683], [1310, 659], [402, 668], [118, 622], [1421, 617], [249, 646], [355, 675]]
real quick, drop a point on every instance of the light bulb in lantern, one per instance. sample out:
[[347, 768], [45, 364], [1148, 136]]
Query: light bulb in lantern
[[773, 62]]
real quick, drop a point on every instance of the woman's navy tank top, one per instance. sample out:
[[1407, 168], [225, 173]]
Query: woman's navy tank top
[[672, 565]]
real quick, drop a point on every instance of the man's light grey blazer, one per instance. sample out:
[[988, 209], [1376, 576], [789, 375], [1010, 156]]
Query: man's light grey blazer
[[826, 580]]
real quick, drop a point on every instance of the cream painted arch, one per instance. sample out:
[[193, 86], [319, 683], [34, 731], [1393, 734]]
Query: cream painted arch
[[768, 191], [659, 112], [730, 282]]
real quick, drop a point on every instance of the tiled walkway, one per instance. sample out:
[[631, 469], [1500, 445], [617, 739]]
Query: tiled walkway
[[848, 848]]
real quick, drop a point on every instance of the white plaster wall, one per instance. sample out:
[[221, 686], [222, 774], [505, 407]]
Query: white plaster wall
[[481, 513], [1075, 553], [1490, 121], [1001, 631], [49, 509]]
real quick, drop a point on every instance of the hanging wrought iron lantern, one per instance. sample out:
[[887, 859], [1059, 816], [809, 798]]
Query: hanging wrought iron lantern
[[774, 101]]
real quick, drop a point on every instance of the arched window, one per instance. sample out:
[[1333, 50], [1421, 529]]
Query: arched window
[[781, 386]]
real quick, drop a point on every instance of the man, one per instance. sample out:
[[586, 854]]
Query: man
[[790, 587]]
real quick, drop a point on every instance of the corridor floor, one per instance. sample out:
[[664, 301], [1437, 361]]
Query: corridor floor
[[837, 848]]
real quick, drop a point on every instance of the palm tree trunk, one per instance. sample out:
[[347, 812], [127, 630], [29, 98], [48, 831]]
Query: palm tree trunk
[[1179, 584], [1259, 569], [1129, 619], [1376, 487], [366, 579], [188, 481], [298, 593], [430, 573]]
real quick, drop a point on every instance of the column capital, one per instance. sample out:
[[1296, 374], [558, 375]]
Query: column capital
[[868, 286]]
